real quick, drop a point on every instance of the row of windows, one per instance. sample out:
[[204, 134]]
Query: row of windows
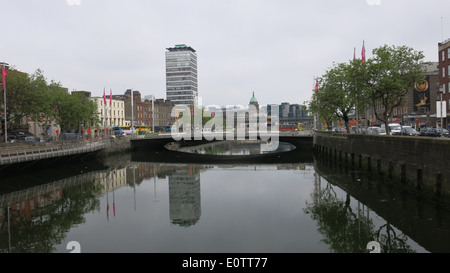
[[181, 79], [181, 88], [445, 73], [192, 72], [179, 93], [181, 65], [113, 122], [172, 74], [181, 54], [445, 52], [113, 112], [191, 83], [180, 97], [114, 104], [179, 69]]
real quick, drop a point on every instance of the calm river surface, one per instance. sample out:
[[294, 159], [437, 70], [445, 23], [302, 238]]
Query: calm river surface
[[153, 207]]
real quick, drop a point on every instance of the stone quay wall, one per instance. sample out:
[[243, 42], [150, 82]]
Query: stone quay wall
[[417, 164]]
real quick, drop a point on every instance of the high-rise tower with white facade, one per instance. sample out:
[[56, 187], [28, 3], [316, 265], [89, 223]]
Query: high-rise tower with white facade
[[181, 75]]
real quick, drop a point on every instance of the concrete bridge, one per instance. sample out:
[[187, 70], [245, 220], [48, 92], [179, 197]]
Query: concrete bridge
[[153, 149], [18, 156]]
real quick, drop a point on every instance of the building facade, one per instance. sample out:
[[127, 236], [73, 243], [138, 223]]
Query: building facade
[[290, 115], [162, 114], [420, 109], [110, 114], [181, 75], [142, 110]]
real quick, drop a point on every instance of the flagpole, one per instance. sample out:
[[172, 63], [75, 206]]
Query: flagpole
[[4, 99], [132, 114], [104, 106]]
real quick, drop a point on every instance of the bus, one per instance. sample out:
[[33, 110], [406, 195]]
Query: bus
[[121, 130], [143, 130]]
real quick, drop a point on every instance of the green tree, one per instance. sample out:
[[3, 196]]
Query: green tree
[[31, 97], [321, 106], [71, 110], [389, 74], [339, 91], [25, 97]]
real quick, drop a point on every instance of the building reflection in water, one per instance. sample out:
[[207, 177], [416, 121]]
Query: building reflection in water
[[184, 188], [184, 196]]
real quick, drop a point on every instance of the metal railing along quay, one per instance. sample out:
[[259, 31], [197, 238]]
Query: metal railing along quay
[[10, 154]]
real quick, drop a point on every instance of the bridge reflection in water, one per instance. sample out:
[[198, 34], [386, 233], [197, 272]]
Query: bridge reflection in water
[[346, 209]]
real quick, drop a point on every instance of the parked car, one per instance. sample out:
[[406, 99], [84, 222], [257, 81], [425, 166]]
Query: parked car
[[432, 132], [20, 136], [361, 131], [409, 131], [394, 128], [443, 132], [423, 131], [376, 131]]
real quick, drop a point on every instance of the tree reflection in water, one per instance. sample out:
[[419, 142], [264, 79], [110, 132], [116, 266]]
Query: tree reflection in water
[[37, 223], [346, 231]]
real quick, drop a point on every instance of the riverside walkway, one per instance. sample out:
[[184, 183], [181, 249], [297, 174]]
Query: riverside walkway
[[12, 153]]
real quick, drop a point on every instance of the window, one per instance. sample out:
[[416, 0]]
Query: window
[[448, 70], [442, 55], [443, 88], [443, 72]]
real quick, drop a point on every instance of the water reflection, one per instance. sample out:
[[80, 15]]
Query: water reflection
[[272, 208], [347, 228], [236, 147], [184, 196]]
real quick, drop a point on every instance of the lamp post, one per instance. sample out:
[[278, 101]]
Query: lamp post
[[132, 113], [153, 113], [441, 91], [4, 100]]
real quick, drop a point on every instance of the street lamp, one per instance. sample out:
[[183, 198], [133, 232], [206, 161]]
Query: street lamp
[[3, 64], [441, 91], [153, 113]]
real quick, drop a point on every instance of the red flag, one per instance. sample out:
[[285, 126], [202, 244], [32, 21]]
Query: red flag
[[363, 53], [4, 78], [110, 97], [104, 97], [317, 84], [354, 53]]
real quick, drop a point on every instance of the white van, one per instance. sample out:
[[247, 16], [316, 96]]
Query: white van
[[395, 128]]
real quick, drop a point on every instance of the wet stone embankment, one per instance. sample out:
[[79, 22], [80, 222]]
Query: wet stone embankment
[[417, 164]]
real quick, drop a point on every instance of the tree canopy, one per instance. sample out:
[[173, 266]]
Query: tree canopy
[[32, 97], [383, 80]]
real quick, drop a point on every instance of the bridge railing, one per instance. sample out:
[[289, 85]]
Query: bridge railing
[[17, 154]]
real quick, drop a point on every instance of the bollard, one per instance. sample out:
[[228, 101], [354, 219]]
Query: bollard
[[403, 173], [419, 179], [390, 169], [438, 185], [380, 173]]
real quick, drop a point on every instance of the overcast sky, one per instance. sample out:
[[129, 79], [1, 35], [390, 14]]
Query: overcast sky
[[274, 48]]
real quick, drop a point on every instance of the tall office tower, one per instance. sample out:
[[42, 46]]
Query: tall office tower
[[181, 75]]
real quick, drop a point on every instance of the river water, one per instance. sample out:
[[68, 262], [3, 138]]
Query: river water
[[119, 205]]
